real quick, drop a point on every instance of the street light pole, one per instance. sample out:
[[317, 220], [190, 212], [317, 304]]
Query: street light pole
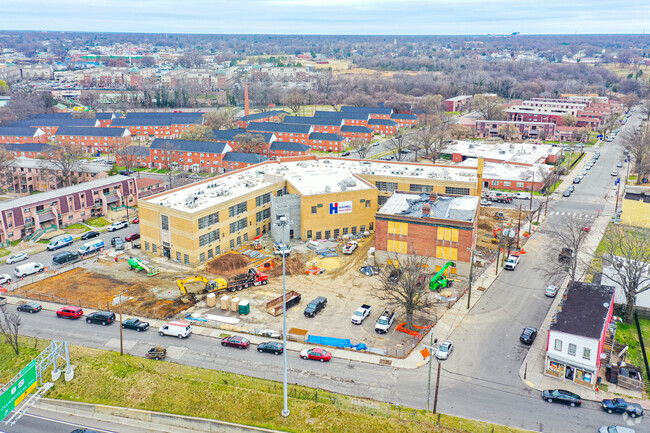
[[471, 268], [285, 411]]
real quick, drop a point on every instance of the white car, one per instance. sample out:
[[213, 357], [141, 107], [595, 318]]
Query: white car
[[117, 225], [17, 258], [486, 202], [614, 173], [5, 278], [446, 347], [550, 291]]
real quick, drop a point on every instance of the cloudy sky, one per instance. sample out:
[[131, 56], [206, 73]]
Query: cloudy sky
[[400, 17]]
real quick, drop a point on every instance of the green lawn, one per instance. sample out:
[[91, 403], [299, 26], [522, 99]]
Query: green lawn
[[78, 227], [626, 334], [97, 222], [103, 377], [4, 252]]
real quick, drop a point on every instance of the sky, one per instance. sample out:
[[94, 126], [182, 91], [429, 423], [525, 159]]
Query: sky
[[348, 17]]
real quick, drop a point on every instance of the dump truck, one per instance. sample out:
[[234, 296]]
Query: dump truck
[[274, 307], [239, 282]]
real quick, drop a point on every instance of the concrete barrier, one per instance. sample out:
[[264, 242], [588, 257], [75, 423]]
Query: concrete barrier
[[146, 419]]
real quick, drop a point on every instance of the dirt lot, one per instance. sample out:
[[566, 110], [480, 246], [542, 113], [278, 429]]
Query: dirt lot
[[487, 223]]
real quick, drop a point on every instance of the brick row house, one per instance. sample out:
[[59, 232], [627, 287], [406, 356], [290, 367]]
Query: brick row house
[[326, 142], [188, 155], [535, 130], [348, 118], [283, 131], [374, 112], [157, 125], [356, 132], [135, 156], [24, 216], [232, 136], [404, 120], [51, 124], [237, 160], [30, 150], [267, 116], [286, 148], [17, 135], [25, 176], [457, 103], [330, 125], [93, 140], [383, 126]]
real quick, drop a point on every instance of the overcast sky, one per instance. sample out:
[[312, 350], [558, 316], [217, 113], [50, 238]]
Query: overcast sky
[[382, 17]]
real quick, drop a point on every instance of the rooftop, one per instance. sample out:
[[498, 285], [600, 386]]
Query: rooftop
[[19, 131], [523, 153], [353, 128], [30, 147], [278, 127], [442, 207], [458, 98], [83, 166], [321, 121], [290, 146], [264, 115], [340, 115], [58, 121], [371, 110], [91, 131], [190, 145], [325, 136], [507, 171], [585, 310], [382, 122], [309, 176]]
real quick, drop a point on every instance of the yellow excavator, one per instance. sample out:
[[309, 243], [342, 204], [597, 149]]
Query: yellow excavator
[[210, 286]]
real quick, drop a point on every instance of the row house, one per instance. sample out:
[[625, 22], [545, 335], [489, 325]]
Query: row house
[[588, 98], [577, 333], [457, 103], [590, 119], [210, 79], [544, 109], [267, 116], [404, 120], [237, 160], [134, 156], [94, 140], [285, 148], [536, 130], [374, 112], [105, 119], [31, 150], [25, 176], [51, 124], [62, 207], [232, 136], [283, 131], [188, 155], [21, 134], [349, 118], [280, 73], [561, 104], [326, 142], [383, 126], [162, 126], [149, 186], [567, 133], [331, 125], [356, 132], [515, 114]]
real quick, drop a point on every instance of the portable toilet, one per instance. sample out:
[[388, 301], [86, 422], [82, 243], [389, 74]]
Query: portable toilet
[[244, 307], [225, 302], [234, 304]]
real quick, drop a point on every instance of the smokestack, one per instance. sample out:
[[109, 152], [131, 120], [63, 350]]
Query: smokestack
[[433, 197], [246, 109], [426, 210]]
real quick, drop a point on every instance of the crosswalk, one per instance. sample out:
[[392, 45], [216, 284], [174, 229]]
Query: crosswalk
[[575, 214]]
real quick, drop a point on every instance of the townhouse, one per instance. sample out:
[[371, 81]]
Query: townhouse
[[331, 125], [457, 103], [238, 160], [233, 136], [356, 132], [283, 131], [30, 150], [267, 116], [327, 142], [187, 155], [286, 148], [149, 186], [374, 112], [26, 176], [404, 120], [526, 130], [348, 118], [383, 126], [33, 214], [147, 126], [51, 124], [93, 140], [21, 134]]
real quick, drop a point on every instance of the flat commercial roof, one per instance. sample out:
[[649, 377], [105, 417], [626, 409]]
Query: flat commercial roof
[[442, 207], [524, 153], [309, 177]]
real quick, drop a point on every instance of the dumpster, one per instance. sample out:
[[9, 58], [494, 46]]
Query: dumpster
[[244, 307]]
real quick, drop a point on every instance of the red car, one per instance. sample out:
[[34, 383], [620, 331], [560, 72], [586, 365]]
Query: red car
[[132, 237], [70, 312], [236, 341], [135, 221], [316, 354]]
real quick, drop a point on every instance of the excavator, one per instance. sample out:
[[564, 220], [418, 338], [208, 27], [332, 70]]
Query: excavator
[[209, 286], [440, 281]]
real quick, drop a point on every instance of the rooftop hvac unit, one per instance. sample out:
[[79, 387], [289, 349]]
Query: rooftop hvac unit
[[328, 188], [348, 181], [502, 152], [343, 188]]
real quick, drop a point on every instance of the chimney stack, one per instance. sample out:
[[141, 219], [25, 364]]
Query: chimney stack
[[426, 210], [246, 109], [433, 197]]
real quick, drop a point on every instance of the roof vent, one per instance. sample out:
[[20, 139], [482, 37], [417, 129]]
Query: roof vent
[[426, 210]]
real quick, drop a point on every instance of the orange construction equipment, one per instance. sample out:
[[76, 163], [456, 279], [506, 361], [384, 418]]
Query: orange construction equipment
[[257, 245]]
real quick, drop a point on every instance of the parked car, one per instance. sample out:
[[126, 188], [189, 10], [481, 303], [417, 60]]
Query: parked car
[[136, 324], [369, 270], [346, 153], [551, 291], [89, 235], [316, 354], [270, 347], [102, 317], [135, 221], [236, 341], [523, 195], [566, 193], [614, 173], [29, 307], [132, 237], [619, 405], [117, 226], [176, 329], [117, 243], [486, 202], [511, 263], [528, 335], [619, 165], [571, 188], [17, 258], [394, 276], [445, 349], [156, 353], [5, 279], [315, 306], [561, 396], [70, 312], [30, 268], [615, 429]]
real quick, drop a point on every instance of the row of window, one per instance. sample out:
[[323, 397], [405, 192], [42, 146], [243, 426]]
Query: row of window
[[507, 183], [572, 349], [209, 238], [336, 233]]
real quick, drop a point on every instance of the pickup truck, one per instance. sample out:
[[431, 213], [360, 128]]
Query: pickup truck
[[384, 322], [350, 247], [360, 315], [619, 405], [512, 263]]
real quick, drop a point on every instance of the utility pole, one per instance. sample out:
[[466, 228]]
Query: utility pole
[[430, 362], [519, 225], [618, 190], [435, 398], [471, 268], [532, 187]]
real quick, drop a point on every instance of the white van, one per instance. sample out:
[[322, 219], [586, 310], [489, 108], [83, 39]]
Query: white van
[[59, 242], [176, 329], [523, 195], [30, 268], [91, 247]]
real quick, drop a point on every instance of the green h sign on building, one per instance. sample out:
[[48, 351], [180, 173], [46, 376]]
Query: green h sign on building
[[21, 386]]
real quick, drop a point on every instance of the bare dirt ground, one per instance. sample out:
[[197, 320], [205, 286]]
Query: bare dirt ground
[[487, 223]]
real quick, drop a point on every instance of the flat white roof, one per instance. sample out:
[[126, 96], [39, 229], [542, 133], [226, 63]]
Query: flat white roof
[[525, 153], [309, 177], [514, 172]]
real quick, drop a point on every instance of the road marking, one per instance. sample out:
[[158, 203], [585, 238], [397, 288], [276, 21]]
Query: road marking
[[531, 384]]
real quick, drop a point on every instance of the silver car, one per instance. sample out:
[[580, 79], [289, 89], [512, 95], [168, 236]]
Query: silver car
[[17, 258], [446, 347], [551, 291], [615, 429]]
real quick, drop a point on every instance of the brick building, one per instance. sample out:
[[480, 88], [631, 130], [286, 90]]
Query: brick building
[[374, 112], [534, 130], [285, 148], [137, 156], [146, 126], [21, 134], [348, 118], [383, 126], [404, 120], [330, 125], [93, 140], [188, 155], [149, 186], [25, 175], [30, 150], [51, 124], [267, 116], [356, 132], [439, 228], [326, 142], [457, 103], [283, 131], [237, 160]]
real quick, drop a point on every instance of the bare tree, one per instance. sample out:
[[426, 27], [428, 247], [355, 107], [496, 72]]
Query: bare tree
[[127, 156], [458, 131], [441, 125], [169, 160], [220, 119], [6, 164], [63, 162], [406, 287], [294, 100], [638, 145], [198, 133], [361, 146], [9, 326], [569, 120], [489, 106], [425, 137], [398, 144], [626, 253], [508, 131], [250, 143], [569, 237]]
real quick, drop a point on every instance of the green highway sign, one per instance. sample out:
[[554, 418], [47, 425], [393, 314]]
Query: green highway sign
[[24, 383]]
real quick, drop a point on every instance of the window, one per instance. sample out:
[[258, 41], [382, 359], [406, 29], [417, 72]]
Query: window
[[327, 234], [345, 230], [367, 203], [154, 248], [164, 222], [262, 215], [586, 353], [178, 256], [209, 238], [387, 186], [354, 230], [397, 228], [520, 184], [572, 349], [278, 193], [202, 258], [506, 183], [446, 234], [237, 209], [382, 199], [396, 246], [232, 244], [558, 345], [83, 214], [314, 209], [462, 191], [308, 234], [447, 253], [146, 246], [420, 188], [208, 220], [336, 233], [217, 250], [238, 225], [371, 226], [318, 235], [494, 183], [263, 199], [187, 259], [362, 229]]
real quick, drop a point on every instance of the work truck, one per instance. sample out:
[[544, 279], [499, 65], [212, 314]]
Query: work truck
[[360, 315], [385, 321]]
